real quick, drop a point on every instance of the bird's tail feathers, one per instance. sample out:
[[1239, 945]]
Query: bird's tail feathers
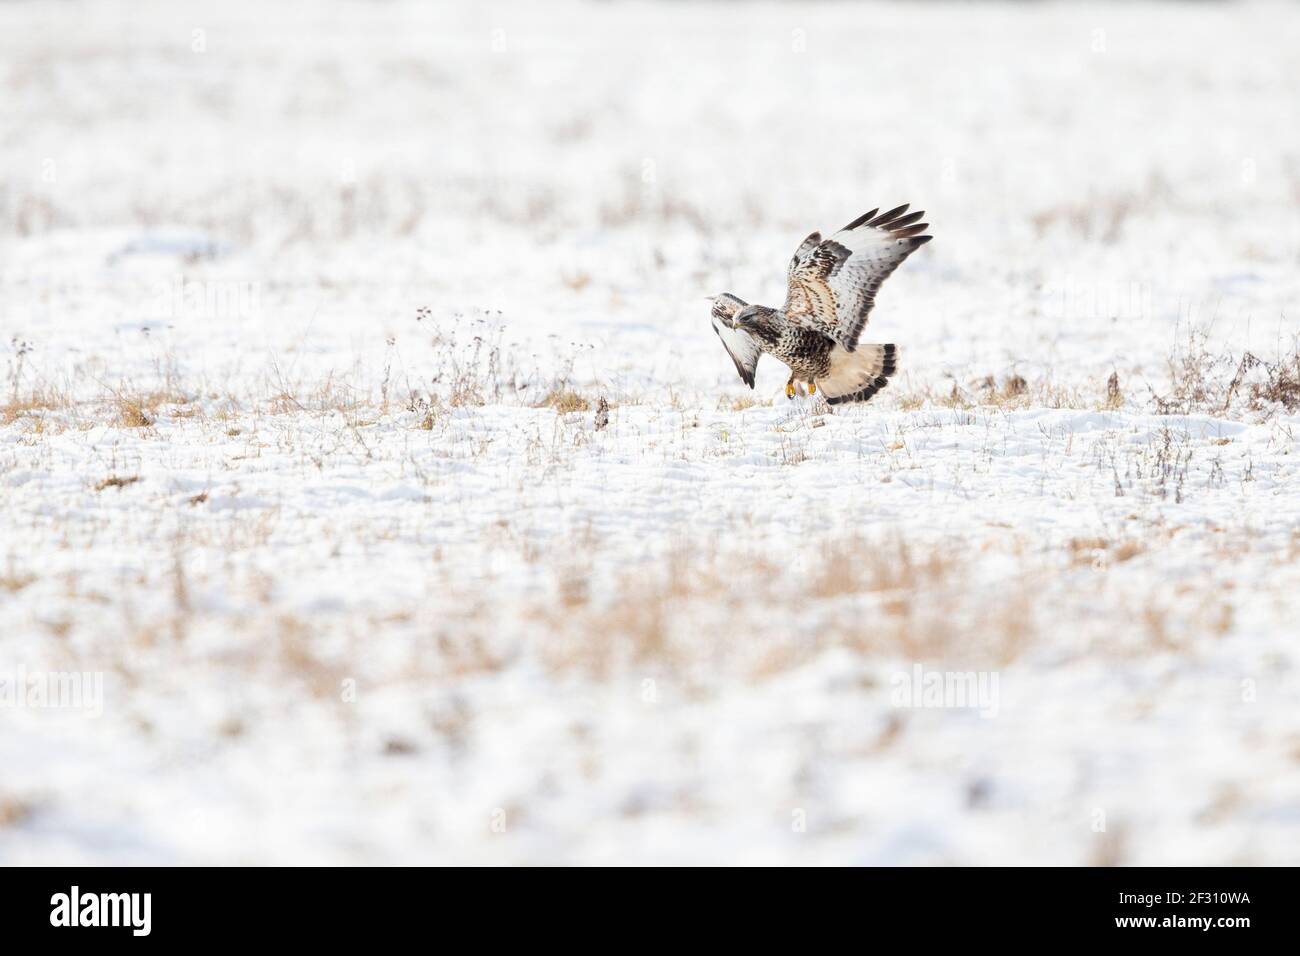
[[856, 376]]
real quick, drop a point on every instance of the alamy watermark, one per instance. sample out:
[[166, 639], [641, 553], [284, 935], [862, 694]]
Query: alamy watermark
[[130, 910], [52, 690], [970, 690], [1084, 298], [177, 297]]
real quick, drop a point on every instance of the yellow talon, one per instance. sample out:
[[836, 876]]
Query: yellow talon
[[789, 389], [812, 388]]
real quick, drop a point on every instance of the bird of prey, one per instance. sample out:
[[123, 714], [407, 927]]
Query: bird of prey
[[833, 285]]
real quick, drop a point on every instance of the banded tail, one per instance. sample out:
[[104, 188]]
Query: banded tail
[[856, 376]]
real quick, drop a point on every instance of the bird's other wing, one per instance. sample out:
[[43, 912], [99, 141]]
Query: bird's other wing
[[740, 345], [809, 296], [833, 282]]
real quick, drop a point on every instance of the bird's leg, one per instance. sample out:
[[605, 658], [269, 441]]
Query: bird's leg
[[812, 387], [789, 387]]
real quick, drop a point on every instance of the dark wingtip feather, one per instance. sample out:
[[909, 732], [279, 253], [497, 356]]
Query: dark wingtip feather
[[885, 218], [909, 231], [860, 220], [893, 220]]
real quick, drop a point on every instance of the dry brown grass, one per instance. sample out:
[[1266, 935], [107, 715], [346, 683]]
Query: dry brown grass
[[140, 409], [35, 406], [1280, 384], [878, 600], [721, 609], [1199, 378], [1100, 219], [298, 655], [1114, 394], [116, 481], [1098, 552], [565, 401], [757, 614], [14, 581], [131, 414], [1009, 391], [1214, 381], [14, 810], [635, 627], [330, 394], [852, 566]]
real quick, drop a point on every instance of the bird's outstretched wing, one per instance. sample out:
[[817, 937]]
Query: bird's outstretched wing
[[833, 282], [740, 345]]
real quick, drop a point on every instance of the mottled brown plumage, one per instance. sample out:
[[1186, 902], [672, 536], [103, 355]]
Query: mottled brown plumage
[[832, 289]]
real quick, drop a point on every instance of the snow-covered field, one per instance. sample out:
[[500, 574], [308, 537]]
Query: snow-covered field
[[308, 312]]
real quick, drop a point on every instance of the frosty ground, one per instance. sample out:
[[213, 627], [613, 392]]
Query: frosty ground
[[310, 312]]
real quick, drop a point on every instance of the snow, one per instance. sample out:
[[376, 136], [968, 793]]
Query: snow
[[381, 593]]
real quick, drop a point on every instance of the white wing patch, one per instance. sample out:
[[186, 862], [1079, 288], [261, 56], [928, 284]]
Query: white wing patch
[[740, 345]]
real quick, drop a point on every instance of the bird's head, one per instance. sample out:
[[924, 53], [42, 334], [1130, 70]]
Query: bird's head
[[725, 307], [753, 319]]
